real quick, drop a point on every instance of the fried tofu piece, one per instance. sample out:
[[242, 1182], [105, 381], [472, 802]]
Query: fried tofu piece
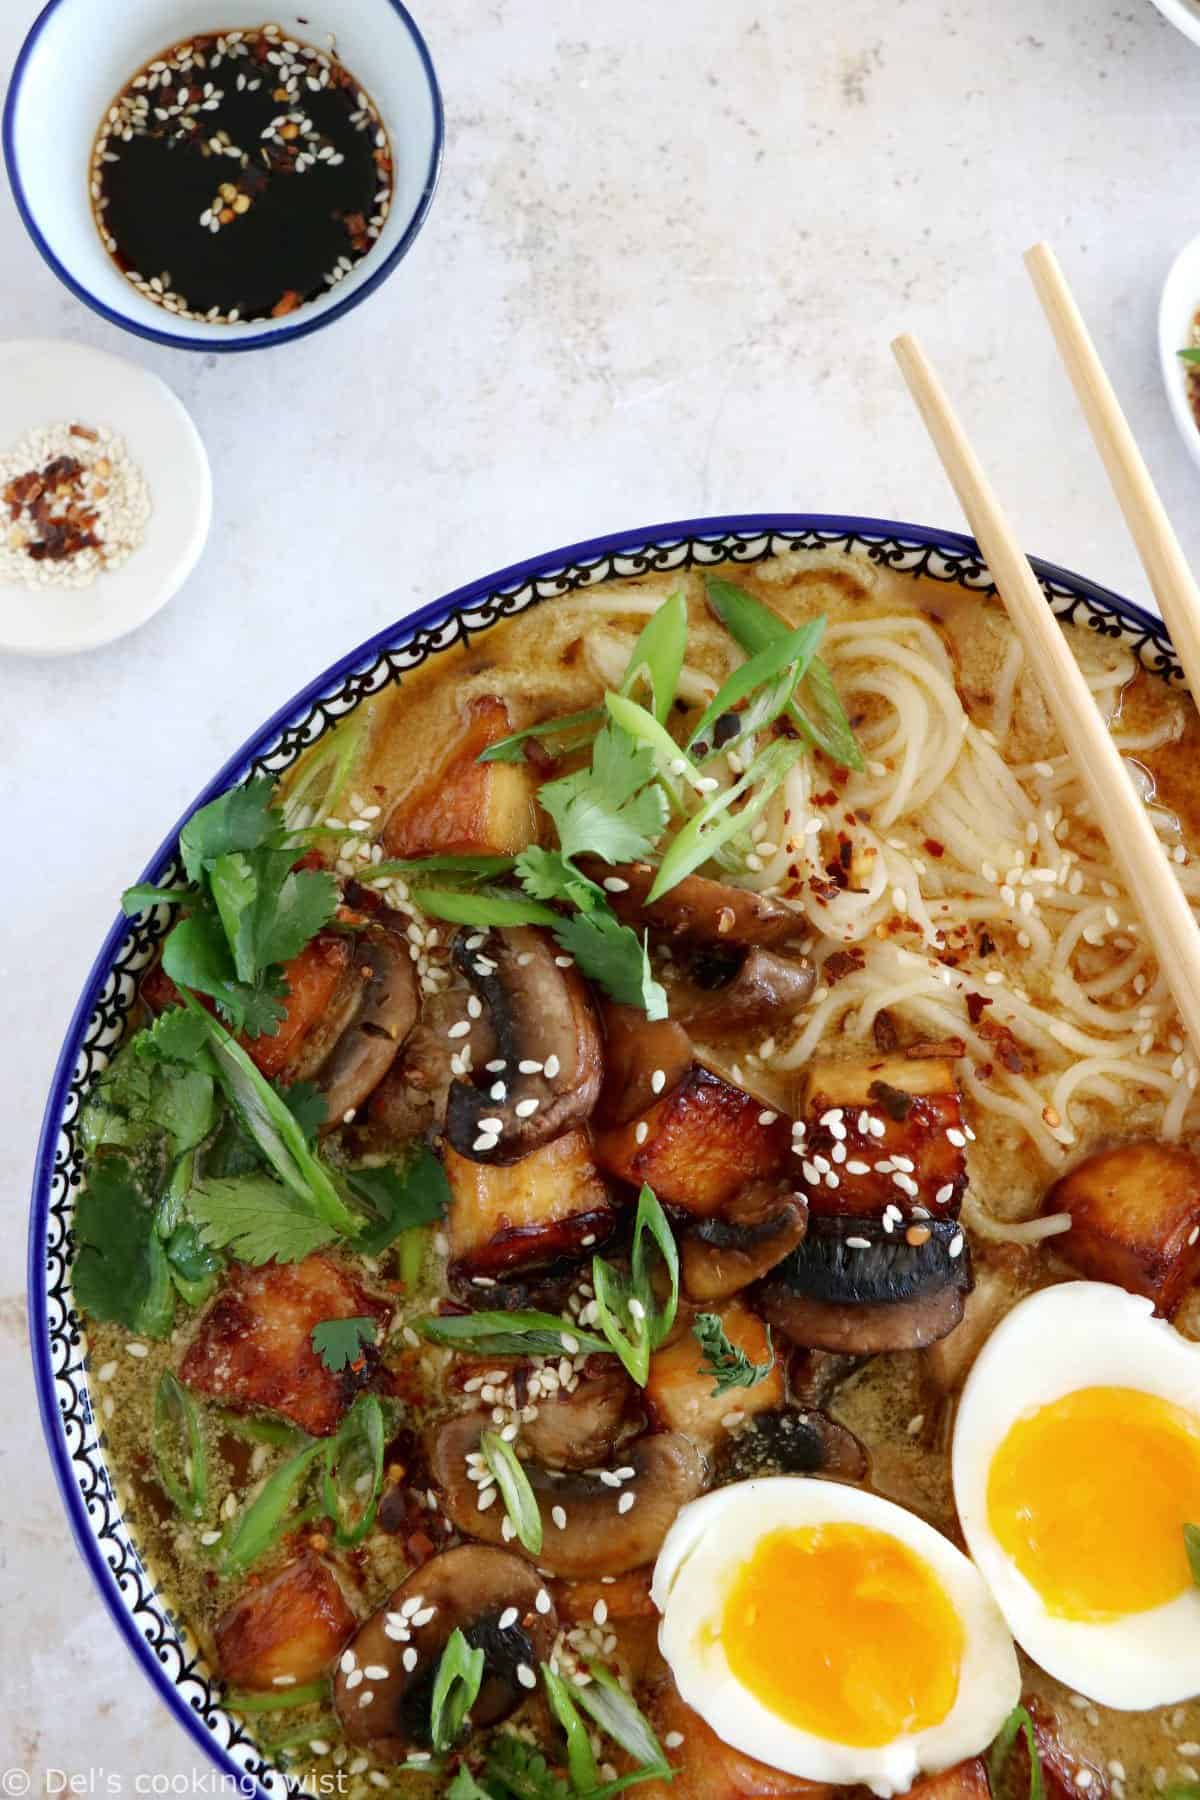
[[548, 1204], [884, 1133], [285, 1631], [965, 1781], [699, 1144], [253, 1347], [1135, 1219], [469, 808], [679, 1391], [707, 1769]]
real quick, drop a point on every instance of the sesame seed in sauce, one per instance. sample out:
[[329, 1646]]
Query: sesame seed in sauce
[[625, 1503], [559, 1516], [508, 1618], [409, 1659], [526, 1676]]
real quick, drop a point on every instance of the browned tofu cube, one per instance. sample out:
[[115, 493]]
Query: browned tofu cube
[[253, 1347], [884, 1133], [1135, 1219], [698, 1145], [679, 1392], [285, 1631], [548, 1204], [965, 1781], [707, 1769], [469, 808]]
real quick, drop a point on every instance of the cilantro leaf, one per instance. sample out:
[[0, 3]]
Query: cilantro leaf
[[610, 809], [547, 875], [1190, 355], [287, 915], [417, 1194], [522, 1769], [241, 819], [120, 1270], [340, 1342], [614, 956], [729, 1366], [177, 1035], [463, 1787], [256, 1219], [306, 1103]]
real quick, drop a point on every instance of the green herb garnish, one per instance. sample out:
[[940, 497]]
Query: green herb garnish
[[485, 906], [815, 709], [264, 1521], [247, 909], [341, 1342], [1017, 1723], [773, 672], [729, 1366], [519, 1501], [1191, 1539], [177, 1441], [1191, 355], [616, 1713], [511, 1334], [657, 656], [121, 1272], [455, 1690], [352, 1471], [628, 1313], [717, 821], [280, 1701], [466, 870], [581, 1758], [570, 726], [256, 1220], [397, 1199]]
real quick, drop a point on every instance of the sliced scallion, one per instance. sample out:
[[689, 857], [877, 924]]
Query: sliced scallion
[[616, 1713], [180, 1456], [703, 835], [470, 868], [581, 1758], [264, 1521], [569, 726], [484, 907], [515, 1491], [510, 1333], [280, 1701], [455, 1690], [785, 658], [658, 654], [352, 1471]]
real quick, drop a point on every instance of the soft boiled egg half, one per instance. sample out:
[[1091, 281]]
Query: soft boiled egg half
[[1076, 1467], [830, 1633]]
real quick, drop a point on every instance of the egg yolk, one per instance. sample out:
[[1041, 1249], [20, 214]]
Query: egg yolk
[[844, 1632], [1089, 1496]]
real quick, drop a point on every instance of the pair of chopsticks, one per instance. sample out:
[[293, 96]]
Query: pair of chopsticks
[[1135, 847]]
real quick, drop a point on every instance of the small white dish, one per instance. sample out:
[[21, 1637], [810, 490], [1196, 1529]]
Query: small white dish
[[44, 382], [1177, 308], [77, 58], [1183, 14]]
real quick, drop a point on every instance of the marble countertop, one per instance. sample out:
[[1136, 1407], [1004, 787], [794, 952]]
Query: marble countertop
[[670, 248]]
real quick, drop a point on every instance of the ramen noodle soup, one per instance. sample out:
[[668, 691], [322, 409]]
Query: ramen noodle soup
[[644, 1230]]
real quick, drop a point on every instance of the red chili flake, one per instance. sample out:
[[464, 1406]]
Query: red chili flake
[[893, 1100], [933, 848], [975, 1006], [842, 963], [1008, 1051], [884, 1031]]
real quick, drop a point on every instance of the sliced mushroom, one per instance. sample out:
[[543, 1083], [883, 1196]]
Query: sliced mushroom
[[856, 1286], [580, 1428], [502, 1607], [791, 1442], [744, 1241], [355, 1044], [547, 1039], [762, 986], [699, 910], [594, 1522]]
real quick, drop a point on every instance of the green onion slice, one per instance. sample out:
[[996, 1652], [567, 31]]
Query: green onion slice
[[178, 1444], [511, 1333], [581, 1759], [570, 725], [352, 1471], [515, 1491], [658, 655], [455, 1690], [264, 1521], [487, 906]]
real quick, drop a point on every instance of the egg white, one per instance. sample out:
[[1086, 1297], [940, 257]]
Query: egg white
[[1078, 1335], [704, 1552]]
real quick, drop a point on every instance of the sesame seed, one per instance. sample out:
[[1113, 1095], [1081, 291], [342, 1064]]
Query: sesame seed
[[673, 1739], [409, 1659], [525, 1109], [542, 1602], [955, 1137], [559, 1516], [641, 1131], [508, 1618], [858, 1243], [526, 1676], [625, 1502], [600, 1612], [658, 1081]]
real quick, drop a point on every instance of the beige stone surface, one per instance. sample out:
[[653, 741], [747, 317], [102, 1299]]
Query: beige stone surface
[[671, 244]]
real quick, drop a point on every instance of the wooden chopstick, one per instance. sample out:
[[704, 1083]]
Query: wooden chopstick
[[1135, 848], [1171, 580]]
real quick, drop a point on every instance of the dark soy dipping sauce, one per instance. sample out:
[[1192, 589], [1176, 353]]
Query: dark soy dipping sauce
[[240, 174]]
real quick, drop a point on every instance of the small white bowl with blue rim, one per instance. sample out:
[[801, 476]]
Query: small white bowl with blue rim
[[79, 55]]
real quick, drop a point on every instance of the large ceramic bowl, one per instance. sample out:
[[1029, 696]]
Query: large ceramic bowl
[[76, 1441]]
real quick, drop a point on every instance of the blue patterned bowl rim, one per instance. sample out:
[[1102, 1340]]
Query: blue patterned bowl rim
[[157, 1639]]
